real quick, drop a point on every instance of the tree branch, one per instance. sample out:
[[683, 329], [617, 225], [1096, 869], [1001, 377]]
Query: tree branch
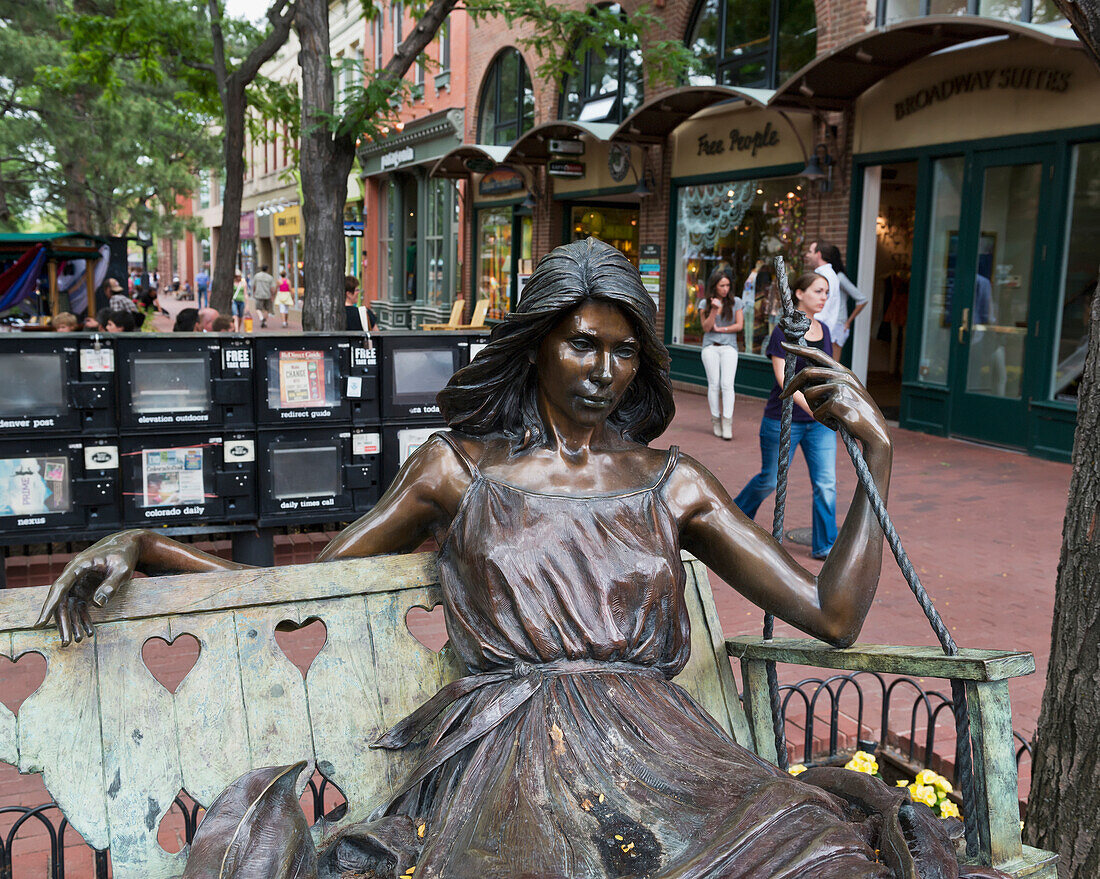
[[281, 15]]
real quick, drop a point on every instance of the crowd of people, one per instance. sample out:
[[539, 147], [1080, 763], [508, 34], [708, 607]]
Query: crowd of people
[[822, 294], [129, 308]]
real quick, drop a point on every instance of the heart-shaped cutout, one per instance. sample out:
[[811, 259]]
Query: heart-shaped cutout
[[177, 827], [170, 661], [322, 799], [301, 642], [20, 679], [428, 626]]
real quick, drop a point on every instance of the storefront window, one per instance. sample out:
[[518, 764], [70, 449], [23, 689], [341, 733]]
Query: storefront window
[[943, 243], [435, 240], [494, 279], [739, 225], [388, 213], [751, 43], [615, 226], [607, 86], [1079, 272], [507, 107]]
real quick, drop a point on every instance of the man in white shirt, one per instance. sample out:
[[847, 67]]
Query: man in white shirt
[[816, 262]]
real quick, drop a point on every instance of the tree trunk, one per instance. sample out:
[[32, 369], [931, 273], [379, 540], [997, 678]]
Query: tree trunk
[[1065, 782], [229, 239], [325, 162]]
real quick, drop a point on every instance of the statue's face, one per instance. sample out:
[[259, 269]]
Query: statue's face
[[587, 362]]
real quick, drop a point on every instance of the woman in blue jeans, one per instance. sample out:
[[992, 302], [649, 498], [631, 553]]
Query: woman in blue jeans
[[818, 442]]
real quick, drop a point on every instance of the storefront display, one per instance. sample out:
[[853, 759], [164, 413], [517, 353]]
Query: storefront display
[[735, 225], [498, 262], [615, 226]]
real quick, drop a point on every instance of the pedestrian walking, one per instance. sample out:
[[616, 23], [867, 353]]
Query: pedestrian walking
[[722, 319], [240, 289], [818, 443], [202, 286], [284, 298], [835, 314], [263, 285]]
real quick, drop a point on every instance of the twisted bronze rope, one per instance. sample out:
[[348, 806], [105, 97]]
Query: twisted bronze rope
[[795, 323]]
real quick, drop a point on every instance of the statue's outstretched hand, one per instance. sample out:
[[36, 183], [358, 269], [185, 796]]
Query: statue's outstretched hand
[[93, 575], [836, 396]]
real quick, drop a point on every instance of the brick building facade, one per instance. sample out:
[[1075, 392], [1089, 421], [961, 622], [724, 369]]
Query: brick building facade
[[827, 93]]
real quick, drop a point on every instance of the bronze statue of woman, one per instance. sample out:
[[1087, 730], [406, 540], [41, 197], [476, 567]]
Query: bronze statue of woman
[[567, 752]]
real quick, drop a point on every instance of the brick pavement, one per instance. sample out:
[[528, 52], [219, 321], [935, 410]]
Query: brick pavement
[[982, 525]]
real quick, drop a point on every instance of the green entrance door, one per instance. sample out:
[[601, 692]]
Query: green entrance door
[[995, 270]]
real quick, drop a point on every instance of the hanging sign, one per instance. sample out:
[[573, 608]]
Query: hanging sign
[[248, 225], [567, 147], [565, 169], [288, 222], [353, 228], [500, 180]]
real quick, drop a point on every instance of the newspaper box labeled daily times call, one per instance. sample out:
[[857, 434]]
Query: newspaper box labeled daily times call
[[170, 479], [184, 380], [57, 384], [319, 474], [314, 378], [57, 487]]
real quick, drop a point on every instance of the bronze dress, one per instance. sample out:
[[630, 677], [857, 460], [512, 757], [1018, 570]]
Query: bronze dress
[[569, 753]]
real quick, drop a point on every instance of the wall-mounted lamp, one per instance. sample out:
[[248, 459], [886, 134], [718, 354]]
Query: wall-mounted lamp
[[820, 172], [647, 180]]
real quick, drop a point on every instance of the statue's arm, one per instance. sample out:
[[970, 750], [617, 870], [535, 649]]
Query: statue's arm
[[420, 503], [96, 573], [833, 605]]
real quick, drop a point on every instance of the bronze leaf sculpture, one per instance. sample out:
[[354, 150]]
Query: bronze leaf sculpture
[[567, 752]]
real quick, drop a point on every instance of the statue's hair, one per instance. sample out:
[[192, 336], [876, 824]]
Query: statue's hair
[[496, 394]]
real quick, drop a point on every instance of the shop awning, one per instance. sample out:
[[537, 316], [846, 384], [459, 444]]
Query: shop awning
[[656, 118], [836, 78], [58, 245], [470, 158], [533, 148]]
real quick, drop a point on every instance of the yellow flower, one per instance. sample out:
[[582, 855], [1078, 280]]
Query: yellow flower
[[861, 761], [925, 776], [948, 809], [942, 784], [923, 793], [797, 769], [902, 783]]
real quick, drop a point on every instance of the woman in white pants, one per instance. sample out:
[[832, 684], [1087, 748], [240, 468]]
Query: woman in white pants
[[722, 320]]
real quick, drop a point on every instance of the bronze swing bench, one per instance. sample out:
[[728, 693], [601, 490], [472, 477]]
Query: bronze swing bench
[[115, 747]]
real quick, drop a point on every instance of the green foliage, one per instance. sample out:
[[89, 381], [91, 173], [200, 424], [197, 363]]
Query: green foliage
[[100, 142], [563, 34]]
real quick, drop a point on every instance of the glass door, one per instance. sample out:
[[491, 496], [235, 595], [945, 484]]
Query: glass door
[[995, 262]]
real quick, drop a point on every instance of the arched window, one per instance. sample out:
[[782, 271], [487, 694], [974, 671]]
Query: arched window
[[507, 107], [607, 87], [751, 43]]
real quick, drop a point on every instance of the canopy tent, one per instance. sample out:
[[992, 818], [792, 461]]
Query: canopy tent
[[73, 254]]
